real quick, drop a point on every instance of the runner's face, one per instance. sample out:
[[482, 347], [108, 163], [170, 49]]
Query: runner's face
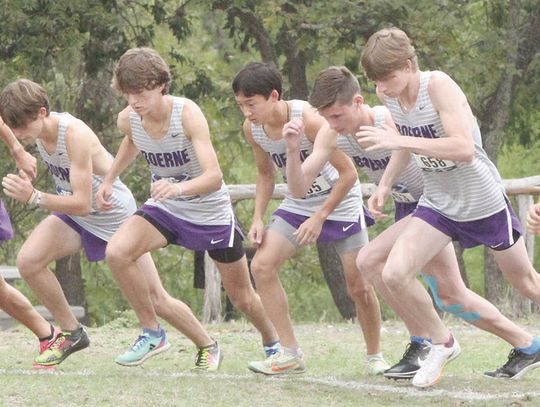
[[143, 101], [255, 108], [394, 84], [30, 132], [340, 117]]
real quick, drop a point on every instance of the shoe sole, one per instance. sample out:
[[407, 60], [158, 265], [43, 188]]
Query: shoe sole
[[155, 352], [518, 375], [439, 377], [277, 373], [400, 376]]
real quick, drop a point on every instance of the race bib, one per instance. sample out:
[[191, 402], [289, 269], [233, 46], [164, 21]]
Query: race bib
[[319, 187], [174, 179], [431, 164]]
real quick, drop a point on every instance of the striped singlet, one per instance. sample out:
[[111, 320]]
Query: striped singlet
[[461, 191], [101, 224], [173, 157], [350, 208], [407, 188]]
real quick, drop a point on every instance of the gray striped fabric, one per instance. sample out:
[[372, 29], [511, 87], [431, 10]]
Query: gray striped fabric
[[350, 208], [460, 191], [408, 187], [173, 157], [101, 224]]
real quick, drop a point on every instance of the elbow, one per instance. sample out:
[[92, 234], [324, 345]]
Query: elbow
[[82, 210], [468, 154], [297, 193], [216, 180]]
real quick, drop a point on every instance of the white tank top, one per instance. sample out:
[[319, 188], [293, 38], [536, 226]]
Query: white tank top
[[173, 157], [460, 191], [101, 224], [350, 208], [407, 188]]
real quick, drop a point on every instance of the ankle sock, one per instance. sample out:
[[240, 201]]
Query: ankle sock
[[420, 339], [529, 350], [48, 338], [153, 333]]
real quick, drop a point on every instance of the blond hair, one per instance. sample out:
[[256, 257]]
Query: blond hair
[[386, 51], [20, 102], [333, 84], [141, 69]]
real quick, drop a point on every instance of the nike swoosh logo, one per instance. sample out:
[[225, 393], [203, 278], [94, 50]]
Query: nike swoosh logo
[[281, 368], [421, 107], [215, 241], [345, 228], [497, 245], [175, 134]]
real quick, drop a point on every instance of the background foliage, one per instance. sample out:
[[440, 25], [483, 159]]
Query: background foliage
[[489, 47]]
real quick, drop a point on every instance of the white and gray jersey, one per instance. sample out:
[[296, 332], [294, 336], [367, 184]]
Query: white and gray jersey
[[409, 186], [461, 191], [100, 223], [350, 208], [173, 158]]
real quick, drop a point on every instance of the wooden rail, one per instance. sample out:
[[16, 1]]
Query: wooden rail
[[524, 188]]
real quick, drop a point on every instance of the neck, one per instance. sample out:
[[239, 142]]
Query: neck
[[159, 111], [49, 132], [410, 93], [279, 114]]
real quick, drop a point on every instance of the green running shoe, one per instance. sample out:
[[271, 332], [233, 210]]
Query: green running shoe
[[282, 362], [65, 344], [144, 347], [208, 359]]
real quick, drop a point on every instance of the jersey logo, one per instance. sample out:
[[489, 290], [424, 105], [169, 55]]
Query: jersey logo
[[345, 228], [175, 134], [215, 241], [421, 107]]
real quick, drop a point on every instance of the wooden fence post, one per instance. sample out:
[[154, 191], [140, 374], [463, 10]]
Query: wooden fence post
[[212, 292]]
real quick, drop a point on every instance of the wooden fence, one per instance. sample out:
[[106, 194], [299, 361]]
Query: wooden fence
[[523, 188]]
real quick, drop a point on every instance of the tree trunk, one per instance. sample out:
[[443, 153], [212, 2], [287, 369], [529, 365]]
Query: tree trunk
[[333, 274], [68, 273]]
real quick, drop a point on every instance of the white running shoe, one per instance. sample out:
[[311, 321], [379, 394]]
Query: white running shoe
[[431, 371], [376, 365]]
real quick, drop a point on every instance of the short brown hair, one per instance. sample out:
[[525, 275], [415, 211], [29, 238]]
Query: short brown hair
[[387, 51], [334, 84], [20, 102], [141, 69]]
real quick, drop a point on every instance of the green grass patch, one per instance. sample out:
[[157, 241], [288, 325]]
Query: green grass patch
[[335, 375]]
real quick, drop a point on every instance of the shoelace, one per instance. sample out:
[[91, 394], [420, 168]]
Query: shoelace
[[511, 360], [410, 351], [59, 341], [202, 357], [139, 342]]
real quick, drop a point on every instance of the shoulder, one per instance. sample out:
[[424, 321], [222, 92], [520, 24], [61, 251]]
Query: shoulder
[[440, 80], [122, 121], [442, 89], [313, 121], [79, 129]]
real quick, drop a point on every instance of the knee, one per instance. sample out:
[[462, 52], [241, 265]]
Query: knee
[[116, 256], [393, 279], [368, 264], [262, 271], [161, 304], [243, 301], [359, 289], [28, 264]]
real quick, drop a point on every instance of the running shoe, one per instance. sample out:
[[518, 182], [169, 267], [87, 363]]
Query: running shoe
[[144, 347], [517, 365], [208, 359], [412, 359], [64, 345], [376, 365], [281, 362], [430, 373]]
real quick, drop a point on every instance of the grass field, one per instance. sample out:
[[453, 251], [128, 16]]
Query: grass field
[[335, 375]]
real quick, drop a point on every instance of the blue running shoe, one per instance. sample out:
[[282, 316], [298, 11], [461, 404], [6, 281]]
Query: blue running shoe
[[144, 347]]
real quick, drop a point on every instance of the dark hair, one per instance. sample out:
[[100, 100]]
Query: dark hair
[[257, 78]]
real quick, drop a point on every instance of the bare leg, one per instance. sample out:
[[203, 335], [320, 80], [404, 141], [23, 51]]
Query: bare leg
[[237, 284], [368, 310], [270, 256], [170, 309], [134, 238], [451, 295], [18, 307], [41, 248], [405, 260]]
